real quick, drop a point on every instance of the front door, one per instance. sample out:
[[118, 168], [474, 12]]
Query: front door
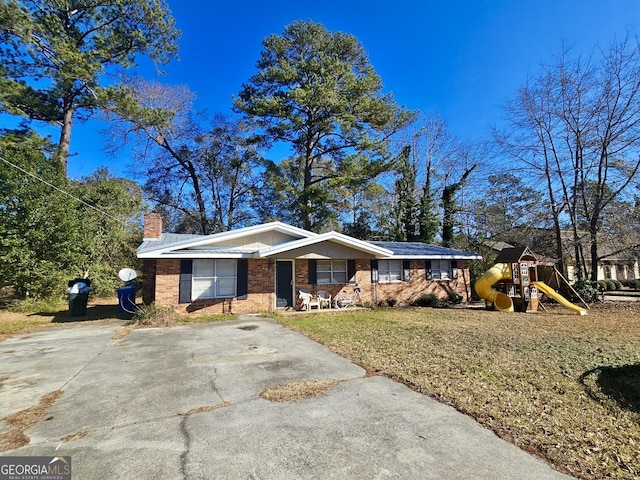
[[284, 283]]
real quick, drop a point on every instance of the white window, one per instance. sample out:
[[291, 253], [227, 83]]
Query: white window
[[389, 271], [213, 278], [331, 271], [440, 270]]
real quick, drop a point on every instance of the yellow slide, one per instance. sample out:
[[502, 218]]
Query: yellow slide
[[484, 287], [547, 290]]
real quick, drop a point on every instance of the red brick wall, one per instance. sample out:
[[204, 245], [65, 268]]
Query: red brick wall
[[261, 287], [405, 293], [152, 225], [148, 281]]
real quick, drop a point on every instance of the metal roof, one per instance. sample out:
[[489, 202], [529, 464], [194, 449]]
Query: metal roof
[[181, 245], [424, 250], [165, 240]]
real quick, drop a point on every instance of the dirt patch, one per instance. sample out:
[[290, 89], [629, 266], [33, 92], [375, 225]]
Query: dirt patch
[[123, 332], [297, 391], [23, 420], [207, 408], [75, 436]]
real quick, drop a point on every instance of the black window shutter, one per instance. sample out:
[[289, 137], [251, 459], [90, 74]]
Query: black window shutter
[[454, 269], [374, 271], [351, 271], [427, 267], [313, 272], [184, 289], [242, 281], [406, 270]]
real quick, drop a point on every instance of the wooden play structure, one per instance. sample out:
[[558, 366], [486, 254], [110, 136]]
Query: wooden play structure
[[513, 283]]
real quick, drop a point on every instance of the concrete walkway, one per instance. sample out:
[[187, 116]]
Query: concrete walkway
[[184, 402]]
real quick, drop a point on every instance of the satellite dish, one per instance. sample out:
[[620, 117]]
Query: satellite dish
[[127, 274]]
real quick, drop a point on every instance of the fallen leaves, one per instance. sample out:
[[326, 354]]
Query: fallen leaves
[[20, 421]]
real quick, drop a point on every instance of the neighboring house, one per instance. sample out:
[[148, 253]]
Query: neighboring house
[[617, 262], [262, 268]]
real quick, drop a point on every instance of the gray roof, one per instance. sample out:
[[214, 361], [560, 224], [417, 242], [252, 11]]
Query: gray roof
[[167, 239], [419, 249], [399, 249]]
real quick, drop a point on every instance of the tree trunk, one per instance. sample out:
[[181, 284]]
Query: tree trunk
[[65, 137], [306, 197], [449, 206]]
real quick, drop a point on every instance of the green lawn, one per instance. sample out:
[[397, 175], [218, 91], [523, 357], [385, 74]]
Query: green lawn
[[557, 384]]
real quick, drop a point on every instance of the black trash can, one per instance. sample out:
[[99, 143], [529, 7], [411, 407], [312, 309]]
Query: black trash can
[[127, 298], [79, 289], [78, 304]]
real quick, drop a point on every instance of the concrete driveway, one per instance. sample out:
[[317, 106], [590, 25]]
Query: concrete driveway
[[183, 403]]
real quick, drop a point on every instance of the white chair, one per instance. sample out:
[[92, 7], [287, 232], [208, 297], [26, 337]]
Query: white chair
[[324, 298], [308, 300]]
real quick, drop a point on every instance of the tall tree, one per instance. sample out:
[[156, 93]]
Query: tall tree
[[450, 206], [406, 207], [52, 230], [434, 153], [317, 91], [39, 239], [110, 211], [507, 208], [578, 126], [54, 54], [204, 173]]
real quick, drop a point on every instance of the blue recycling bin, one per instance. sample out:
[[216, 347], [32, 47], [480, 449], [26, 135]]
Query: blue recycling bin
[[127, 298]]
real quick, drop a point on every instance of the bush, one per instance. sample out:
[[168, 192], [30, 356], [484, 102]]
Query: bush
[[587, 290], [618, 284], [602, 284], [155, 316], [388, 302], [427, 300], [454, 298], [611, 286]]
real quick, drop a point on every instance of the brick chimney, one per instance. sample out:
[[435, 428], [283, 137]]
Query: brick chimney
[[152, 226]]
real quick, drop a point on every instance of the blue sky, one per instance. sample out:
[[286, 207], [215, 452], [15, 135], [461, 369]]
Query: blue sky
[[463, 58]]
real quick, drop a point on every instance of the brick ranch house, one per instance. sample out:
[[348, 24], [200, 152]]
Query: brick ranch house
[[261, 268]]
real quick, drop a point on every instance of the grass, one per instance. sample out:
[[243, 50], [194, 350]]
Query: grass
[[18, 318], [559, 385]]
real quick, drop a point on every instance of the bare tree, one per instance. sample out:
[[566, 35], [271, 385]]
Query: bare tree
[[577, 126], [206, 174]]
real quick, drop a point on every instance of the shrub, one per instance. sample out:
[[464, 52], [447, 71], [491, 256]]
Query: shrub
[[618, 284], [602, 284], [454, 298], [427, 300], [388, 302], [155, 316], [611, 286], [587, 290]]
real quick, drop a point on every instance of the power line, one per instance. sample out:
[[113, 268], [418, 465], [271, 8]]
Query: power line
[[59, 189]]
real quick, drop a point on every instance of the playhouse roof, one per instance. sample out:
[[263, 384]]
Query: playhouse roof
[[515, 254]]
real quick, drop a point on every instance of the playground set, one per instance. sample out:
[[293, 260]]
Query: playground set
[[513, 283]]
